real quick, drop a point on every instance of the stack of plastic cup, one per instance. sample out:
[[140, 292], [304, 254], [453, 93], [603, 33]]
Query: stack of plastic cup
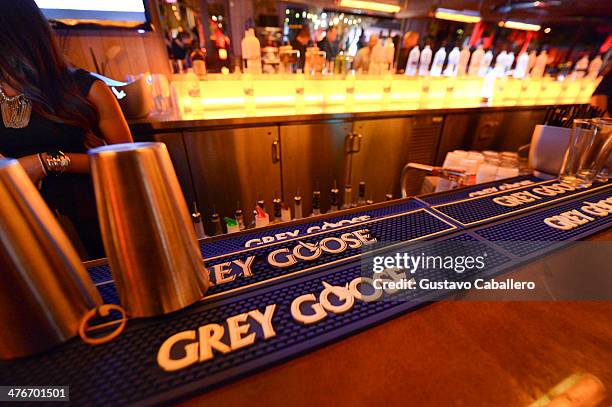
[[508, 166]]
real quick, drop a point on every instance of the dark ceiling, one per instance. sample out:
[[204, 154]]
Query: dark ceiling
[[547, 11], [542, 11]]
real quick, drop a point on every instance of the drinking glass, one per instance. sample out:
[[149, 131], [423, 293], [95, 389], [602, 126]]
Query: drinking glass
[[603, 143], [578, 152]]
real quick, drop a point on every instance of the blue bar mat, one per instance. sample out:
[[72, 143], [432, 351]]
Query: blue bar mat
[[473, 211], [228, 243], [410, 226], [507, 184], [125, 371], [528, 236]]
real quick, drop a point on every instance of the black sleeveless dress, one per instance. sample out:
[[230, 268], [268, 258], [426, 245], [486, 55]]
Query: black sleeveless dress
[[70, 196]]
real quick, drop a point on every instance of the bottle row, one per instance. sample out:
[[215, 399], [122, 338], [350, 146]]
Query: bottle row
[[281, 211]]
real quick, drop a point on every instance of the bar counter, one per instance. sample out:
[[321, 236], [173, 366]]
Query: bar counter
[[412, 347], [290, 149], [269, 116]]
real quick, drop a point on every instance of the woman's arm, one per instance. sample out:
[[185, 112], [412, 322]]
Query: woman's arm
[[112, 125]]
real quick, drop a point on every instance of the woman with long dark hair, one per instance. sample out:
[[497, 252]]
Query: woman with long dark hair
[[51, 114]]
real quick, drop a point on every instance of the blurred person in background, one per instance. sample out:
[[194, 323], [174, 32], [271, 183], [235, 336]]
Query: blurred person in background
[[52, 113], [362, 59], [329, 43], [361, 42], [301, 42], [180, 48], [410, 40]]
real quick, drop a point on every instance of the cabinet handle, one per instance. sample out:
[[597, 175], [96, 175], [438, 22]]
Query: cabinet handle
[[275, 151], [356, 143], [352, 143], [348, 143]]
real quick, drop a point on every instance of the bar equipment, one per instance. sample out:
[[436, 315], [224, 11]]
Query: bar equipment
[[45, 292], [276, 209], [343, 63], [289, 59], [216, 221], [297, 205], [147, 233], [198, 224], [577, 152], [239, 216], [316, 202], [270, 59], [315, 62], [285, 213], [348, 197], [232, 225], [457, 176], [361, 199], [261, 217], [598, 153], [333, 197]]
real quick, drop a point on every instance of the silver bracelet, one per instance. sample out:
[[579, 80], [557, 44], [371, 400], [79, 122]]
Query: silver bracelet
[[56, 163]]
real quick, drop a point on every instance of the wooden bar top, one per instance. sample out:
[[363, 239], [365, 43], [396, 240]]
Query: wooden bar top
[[448, 353]]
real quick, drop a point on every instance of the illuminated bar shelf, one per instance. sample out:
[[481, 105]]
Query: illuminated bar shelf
[[268, 95]]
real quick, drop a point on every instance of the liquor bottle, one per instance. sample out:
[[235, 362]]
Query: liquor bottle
[[361, 194], [486, 63], [453, 62], [424, 61], [464, 57], [198, 61], [198, 225], [216, 221], [521, 66], [540, 65], [276, 210], [261, 203], [581, 67], [333, 198], [413, 61], [509, 62], [316, 202], [476, 61], [595, 66], [261, 217], [239, 217], [232, 225], [251, 53], [389, 54], [285, 213], [297, 205], [438, 62], [377, 59], [348, 197], [500, 64]]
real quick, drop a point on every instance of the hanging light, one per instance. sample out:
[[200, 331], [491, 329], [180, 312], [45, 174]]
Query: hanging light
[[463, 16], [371, 5], [517, 25]]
